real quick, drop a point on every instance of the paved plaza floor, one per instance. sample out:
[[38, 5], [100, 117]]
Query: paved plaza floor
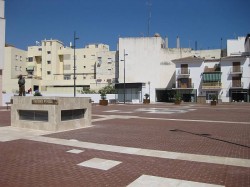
[[133, 145]]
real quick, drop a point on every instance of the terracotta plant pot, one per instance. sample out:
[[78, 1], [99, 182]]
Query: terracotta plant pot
[[103, 102], [213, 103], [146, 101], [178, 102]]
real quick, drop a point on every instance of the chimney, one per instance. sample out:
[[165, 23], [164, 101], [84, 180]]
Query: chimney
[[178, 42]]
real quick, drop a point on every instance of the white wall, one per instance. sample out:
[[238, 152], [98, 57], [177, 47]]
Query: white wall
[[146, 61], [235, 46]]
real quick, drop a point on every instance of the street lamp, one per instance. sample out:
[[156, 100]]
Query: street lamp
[[124, 82], [149, 89], [74, 47]]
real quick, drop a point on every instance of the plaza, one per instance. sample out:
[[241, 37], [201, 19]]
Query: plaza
[[133, 145]]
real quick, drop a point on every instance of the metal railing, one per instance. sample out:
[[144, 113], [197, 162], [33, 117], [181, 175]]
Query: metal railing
[[236, 85], [184, 71], [236, 70], [185, 86], [211, 85]]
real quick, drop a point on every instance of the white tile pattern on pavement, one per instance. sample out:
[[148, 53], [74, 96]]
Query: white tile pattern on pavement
[[99, 163], [75, 151], [153, 181]]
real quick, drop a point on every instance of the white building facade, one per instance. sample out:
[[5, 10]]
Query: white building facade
[[226, 78], [2, 44], [149, 68]]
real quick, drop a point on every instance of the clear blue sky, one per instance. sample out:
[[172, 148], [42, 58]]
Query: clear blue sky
[[103, 21]]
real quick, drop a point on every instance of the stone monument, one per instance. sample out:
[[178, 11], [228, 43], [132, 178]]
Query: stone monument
[[51, 113]]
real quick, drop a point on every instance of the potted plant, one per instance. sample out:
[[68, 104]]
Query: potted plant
[[103, 101], [37, 93], [146, 100], [177, 99], [213, 102]]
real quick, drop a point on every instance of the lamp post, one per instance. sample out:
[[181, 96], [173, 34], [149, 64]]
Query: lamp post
[[149, 89], [124, 76], [74, 47]]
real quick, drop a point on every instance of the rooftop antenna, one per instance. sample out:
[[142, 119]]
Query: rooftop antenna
[[149, 4]]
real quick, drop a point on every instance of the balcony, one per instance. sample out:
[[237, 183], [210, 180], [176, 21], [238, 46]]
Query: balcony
[[236, 70], [183, 72], [235, 85], [184, 86], [211, 85]]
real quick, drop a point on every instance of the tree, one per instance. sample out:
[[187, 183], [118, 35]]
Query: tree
[[107, 90]]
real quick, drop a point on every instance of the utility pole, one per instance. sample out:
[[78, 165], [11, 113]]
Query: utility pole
[[149, 4], [124, 77], [74, 68]]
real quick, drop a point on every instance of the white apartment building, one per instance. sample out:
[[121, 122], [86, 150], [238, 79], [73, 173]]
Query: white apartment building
[[149, 68], [197, 79], [2, 44], [228, 78], [49, 67]]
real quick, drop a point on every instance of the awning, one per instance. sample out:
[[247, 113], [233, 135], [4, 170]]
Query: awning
[[212, 77], [30, 68]]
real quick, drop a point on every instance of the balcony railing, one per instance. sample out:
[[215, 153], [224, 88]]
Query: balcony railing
[[236, 85], [236, 70], [183, 71], [211, 85], [185, 86]]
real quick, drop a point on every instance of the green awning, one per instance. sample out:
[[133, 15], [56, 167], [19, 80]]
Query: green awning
[[211, 77]]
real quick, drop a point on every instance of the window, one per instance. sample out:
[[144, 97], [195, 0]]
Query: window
[[109, 60], [16, 57], [84, 56], [30, 59], [109, 71], [48, 52], [72, 114], [48, 62], [67, 67], [21, 58], [33, 115], [67, 77], [84, 67], [48, 72], [39, 49]]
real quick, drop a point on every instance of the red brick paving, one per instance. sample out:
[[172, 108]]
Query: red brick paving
[[28, 163], [156, 134], [4, 117]]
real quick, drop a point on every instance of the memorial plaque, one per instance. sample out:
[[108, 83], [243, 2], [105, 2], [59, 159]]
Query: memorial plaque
[[44, 102]]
